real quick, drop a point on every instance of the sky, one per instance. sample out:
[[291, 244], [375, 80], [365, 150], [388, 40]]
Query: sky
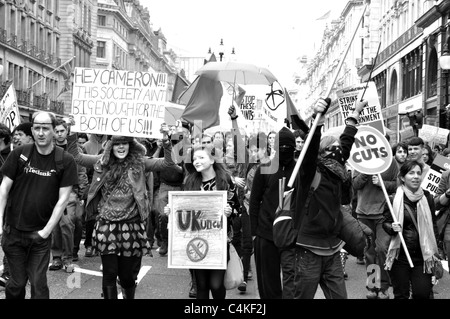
[[267, 33]]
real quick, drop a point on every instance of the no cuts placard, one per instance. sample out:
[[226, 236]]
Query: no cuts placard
[[371, 152]]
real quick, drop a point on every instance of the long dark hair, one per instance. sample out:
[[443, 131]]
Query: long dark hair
[[193, 181], [134, 159]]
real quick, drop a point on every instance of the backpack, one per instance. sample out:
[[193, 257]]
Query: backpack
[[356, 235], [284, 232], [28, 150]]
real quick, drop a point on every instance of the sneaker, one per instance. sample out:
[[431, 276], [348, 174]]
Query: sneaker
[[90, 252], [56, 264], [372, 294], [69, 268], [360, 261], [345, 275], [383, 294], [250, 274], [243, 287], [3, 280]]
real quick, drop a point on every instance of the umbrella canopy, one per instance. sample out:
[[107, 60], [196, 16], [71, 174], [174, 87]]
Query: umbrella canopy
[[234, 72], [338, 130]]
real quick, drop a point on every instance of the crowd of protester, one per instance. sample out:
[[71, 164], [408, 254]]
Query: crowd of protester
[[106, 204]]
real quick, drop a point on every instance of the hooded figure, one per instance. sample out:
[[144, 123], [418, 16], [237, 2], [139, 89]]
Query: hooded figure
[[264, 199]]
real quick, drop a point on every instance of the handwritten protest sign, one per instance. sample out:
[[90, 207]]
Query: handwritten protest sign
[[9, 109], [197, 230], [371, 115], [371, 153], [433, 135], [118, 102], [431, 179]]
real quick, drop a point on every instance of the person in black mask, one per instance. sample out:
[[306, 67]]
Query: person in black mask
[[270, 261], [318, 218]]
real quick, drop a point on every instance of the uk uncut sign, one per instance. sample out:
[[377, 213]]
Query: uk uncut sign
[[118, 102], [197, 230], [371, 152]]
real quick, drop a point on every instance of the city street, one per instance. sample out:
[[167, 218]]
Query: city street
[[156, 281]]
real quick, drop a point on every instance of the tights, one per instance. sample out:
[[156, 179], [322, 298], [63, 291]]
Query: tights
[[207, 280], [126, 268]]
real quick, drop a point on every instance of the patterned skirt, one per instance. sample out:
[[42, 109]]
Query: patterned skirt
[[125, 238]]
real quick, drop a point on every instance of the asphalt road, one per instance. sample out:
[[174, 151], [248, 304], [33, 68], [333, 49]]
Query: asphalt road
[[157, 281]]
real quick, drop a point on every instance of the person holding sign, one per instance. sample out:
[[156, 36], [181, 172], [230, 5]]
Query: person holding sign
[[118, 191], [318, 217], [414, 210], [369, 210], [210, 175]]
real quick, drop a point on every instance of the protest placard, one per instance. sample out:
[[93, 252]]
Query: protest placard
[[433, 135], [197, 230], [371, 115], [371, 153], [9, 109], [431, 179], [118, 102]]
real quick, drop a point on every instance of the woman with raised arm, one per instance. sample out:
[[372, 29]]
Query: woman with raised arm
[[118, 198]]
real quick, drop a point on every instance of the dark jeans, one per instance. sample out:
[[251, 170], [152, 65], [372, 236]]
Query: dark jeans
[[89, 230], [406, 279], [376, 254], [270, 263], [312, 270], [28, 257], [242, 239], [78, 231]]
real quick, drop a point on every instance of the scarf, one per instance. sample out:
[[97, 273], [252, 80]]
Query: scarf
[[335, 167], [427, 240]]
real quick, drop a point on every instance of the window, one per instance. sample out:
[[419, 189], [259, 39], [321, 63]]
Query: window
[[101, 49], [432, 74], [101, 20]]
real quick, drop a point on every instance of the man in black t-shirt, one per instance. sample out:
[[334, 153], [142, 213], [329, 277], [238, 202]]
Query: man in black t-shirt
[[32, 198]]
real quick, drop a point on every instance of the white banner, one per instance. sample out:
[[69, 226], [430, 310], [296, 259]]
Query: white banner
[[9, 109], [118, 102]]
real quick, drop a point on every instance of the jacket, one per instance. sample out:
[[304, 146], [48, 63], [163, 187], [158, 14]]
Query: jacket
[[138, 182], [370, 197], [409, 230], [320, 222], [264, 199]]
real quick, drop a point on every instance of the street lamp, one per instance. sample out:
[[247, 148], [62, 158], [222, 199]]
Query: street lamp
[[221, 50], [444, 60]]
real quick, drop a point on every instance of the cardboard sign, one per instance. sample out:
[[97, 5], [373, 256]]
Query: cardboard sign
[[9, 109], [371, 115], [117, 102], [371, 153], [433, 135], [430, 181], [197, 230]]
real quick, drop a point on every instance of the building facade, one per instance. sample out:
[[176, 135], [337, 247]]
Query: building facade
[[398, 48], [42, 41]]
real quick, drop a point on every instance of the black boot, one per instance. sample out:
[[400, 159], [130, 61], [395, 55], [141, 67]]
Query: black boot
[[110, 292], [128, 293]]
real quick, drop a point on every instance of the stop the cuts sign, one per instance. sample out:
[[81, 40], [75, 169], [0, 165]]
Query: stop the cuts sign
[[371, 153]]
